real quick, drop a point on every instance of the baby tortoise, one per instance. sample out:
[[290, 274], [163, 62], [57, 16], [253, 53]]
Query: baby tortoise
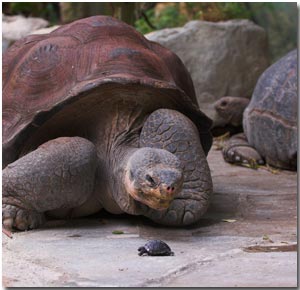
[[155, 248]]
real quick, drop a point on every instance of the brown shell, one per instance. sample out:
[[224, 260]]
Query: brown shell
[[44, 73]]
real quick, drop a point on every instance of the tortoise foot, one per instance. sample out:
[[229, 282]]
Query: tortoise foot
[[183, 212], [14, 217], [238, 151], [241, 155]]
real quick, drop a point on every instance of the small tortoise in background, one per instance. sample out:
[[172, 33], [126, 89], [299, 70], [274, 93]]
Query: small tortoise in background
[[96, 116], [269, 119], [155, 248]]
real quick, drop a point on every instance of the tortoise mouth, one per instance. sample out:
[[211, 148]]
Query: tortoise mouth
[[155, 198], [154, 202]]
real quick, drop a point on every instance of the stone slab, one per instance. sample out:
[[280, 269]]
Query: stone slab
[[249, 208]]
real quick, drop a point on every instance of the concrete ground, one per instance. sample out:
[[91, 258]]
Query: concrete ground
[[247, 239]]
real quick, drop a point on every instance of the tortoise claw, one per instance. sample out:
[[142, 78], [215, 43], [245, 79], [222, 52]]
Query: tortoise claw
[[14, 217]]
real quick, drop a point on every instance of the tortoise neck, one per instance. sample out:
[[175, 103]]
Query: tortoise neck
[[118, 168]]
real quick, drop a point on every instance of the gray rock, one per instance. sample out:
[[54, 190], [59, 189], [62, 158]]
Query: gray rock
[[18, 26], [5, 44], [224, 58], [45, 30]]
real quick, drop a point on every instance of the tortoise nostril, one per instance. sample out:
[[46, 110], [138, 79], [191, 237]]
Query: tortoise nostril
[[223, 103], [170, 189]]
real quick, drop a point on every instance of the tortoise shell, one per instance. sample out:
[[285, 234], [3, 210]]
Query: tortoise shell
[[270, 119], [45, 74], [156, 248]]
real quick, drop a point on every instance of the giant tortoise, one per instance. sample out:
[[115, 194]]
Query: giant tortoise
[[269, 119], [95, 116]]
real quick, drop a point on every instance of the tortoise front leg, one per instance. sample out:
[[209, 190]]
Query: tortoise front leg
[[59, 174], [174, 132], [237, 150]]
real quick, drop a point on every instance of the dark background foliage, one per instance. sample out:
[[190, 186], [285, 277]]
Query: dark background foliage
[[279, 19]]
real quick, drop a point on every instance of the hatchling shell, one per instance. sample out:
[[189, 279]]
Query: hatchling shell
[[157, 248]]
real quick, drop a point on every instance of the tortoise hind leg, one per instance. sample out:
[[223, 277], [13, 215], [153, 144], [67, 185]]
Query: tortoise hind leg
[[238, 151], [174, 132], [57, 175]]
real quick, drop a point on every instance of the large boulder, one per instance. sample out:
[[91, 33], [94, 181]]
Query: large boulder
[[18, 26], [45, 30], [224, 58]]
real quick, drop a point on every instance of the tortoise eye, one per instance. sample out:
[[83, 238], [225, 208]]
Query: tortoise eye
[[223, 103], [151, 181], [131, 176]]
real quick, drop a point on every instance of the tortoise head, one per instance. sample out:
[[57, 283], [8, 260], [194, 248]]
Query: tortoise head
[[230, 110], [153, 177]]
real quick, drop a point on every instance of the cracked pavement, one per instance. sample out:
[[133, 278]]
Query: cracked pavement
[[246, 239]]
